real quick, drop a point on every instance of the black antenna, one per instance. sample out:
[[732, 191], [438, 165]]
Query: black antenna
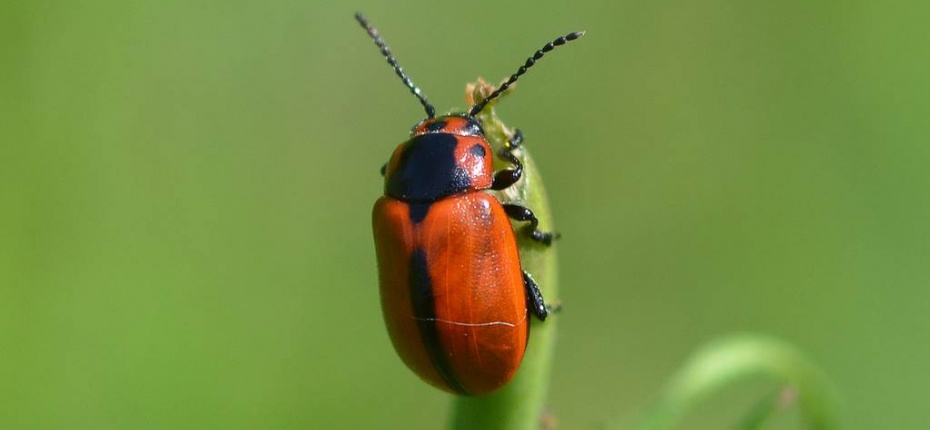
[[529, 63], [386, 52]]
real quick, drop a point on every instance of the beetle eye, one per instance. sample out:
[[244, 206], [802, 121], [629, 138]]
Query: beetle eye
[[472, 127]]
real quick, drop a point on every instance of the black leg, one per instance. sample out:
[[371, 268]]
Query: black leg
[[383, 168], [517, 140], [505, 178], [521, 213], [534, 298]]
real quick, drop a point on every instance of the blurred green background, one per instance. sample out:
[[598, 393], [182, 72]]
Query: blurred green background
[[186, 192]]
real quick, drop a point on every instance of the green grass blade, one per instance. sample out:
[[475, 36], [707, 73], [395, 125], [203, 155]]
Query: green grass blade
[[734, 359]]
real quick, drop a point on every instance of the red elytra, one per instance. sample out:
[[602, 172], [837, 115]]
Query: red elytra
[[473, 337]]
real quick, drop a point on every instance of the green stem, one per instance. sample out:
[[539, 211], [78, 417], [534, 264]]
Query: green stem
[[519, 405]]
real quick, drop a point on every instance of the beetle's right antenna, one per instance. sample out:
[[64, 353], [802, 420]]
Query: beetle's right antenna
[[386, 52], [529, 63]]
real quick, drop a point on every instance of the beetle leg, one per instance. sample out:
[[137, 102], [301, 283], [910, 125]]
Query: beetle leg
[[517, 140], [383, 168], [507, 177], [521, 213], [534, 298]]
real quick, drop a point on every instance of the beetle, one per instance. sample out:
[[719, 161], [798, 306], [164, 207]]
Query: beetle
[[455, 298]]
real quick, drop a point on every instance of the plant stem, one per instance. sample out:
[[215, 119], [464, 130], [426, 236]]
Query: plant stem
[[519, 405]]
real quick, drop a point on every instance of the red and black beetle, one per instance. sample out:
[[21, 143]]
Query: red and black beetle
[[455, 298]]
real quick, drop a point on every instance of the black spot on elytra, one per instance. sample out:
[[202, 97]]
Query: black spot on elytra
[[423, 302], [478, 150]]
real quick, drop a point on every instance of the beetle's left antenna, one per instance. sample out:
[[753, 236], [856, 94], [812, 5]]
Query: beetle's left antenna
[[373, 32]]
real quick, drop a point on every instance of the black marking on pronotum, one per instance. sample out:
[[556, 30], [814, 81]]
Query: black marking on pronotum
[[386, 52], [424, 310], [427, 170], [529, 63]]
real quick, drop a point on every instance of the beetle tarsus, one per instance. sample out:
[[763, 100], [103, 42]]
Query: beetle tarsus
[[554, 307], [521, 213], [517, 140], [534, 298]]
